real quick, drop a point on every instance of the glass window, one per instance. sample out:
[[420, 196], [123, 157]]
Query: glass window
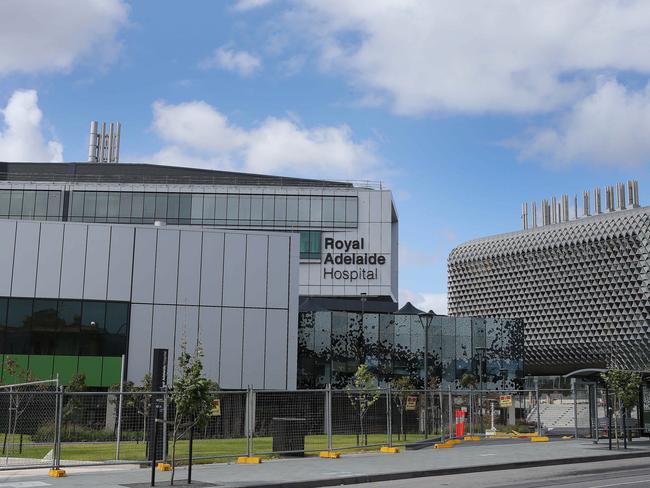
[[208, 209], [268, 209], [3, 324], [5, 199], [44, 326], [149, 209], [328, 210], [244, 209], [54, 205], [351, 210], [339, 211], [40, 207], [18, 335], [69, 314], [92, 315], [77, 206], [29, 201], [185, 209], [137, 208], [233, 209], [125, 207], [161, 206], [173, 202], [292, 210], [16, 204], [315, 244], [315, 209], [90, 200], [113, 207], [256, 210], [220, 209], [197, 209], [101, 206], [303, 210], [280, 210]]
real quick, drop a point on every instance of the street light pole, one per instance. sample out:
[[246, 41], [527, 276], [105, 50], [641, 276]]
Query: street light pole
[[425, 321], [481, 351]]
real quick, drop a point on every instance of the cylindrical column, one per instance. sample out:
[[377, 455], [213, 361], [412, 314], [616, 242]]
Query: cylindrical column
[[92, 143]]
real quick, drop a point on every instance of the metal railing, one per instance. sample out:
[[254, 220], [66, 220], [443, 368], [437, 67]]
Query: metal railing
[[48, 426]]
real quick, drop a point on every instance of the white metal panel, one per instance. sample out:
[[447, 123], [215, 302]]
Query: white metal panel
[[120, 264], [144, 264], [139, 342], [254, 354], [50, 246], [166, 266], [212, 258], [74, 259], [374, 203], [189, 268], [210, 339], [256, 270], [232, 336], [162, 336], [278, 277], [275, 369], [234, 270], [97, 250], [25, 258], [292, 334], [7, 244]]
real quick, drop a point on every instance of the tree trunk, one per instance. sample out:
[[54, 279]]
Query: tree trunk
[[401, 423]]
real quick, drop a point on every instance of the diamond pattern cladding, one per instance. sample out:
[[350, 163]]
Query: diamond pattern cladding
[[581, 287]]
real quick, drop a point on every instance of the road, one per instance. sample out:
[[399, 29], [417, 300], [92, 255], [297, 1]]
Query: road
[[631, 473]]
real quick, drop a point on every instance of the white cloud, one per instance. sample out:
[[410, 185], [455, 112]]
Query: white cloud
[[240, 62], [425, 300], [54, 34], [251, 4], [608, 127], [21, 138], [507, 56], [196, 131]]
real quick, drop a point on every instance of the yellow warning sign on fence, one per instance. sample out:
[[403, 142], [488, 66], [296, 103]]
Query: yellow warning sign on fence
[[505, 400], [215, 411], [411, 402]]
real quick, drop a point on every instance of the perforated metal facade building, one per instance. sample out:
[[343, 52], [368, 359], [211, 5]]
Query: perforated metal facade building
[[581, 287]]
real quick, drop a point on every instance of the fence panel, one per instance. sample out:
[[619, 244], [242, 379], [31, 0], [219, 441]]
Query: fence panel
[[359, 419], [28, 416]]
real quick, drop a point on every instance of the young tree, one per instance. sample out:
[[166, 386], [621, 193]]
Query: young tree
[[137, 401], [468, 381], [192, 395], [402, 387], [625, 386], [74, 404], [363, 391], [18, 402]]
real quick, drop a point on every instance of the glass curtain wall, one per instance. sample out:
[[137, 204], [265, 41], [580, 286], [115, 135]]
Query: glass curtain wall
[[333, 344]]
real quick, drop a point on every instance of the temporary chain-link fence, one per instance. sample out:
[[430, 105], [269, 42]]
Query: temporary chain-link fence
[[43, 425]]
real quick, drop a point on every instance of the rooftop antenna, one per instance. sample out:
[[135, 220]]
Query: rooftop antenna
[[104, 146]]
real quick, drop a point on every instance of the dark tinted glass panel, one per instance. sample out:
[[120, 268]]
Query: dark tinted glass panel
[[70, 314], [44, 326], [208, 208], [113, 206], [173, 201], [18, 336], [149, 206], [40, 207], [233, 208], [29, 201], [280, 209], [5, 198], [161, 206], [54, 205], [339, 210], [90, 200], [268, 209], [137, 207], [92, 315], [16, 204], [303, 210], [69, 326], [328, 210], [256, 210], [292, 210], [125, 207], [220, 209], [197, 209], [244, 209], [101, 206], [116, 329], [185, 209]]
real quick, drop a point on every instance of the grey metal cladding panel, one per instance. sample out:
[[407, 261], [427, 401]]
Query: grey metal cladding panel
[[254, 354], [74, 259], [212, 268], [97, 250], [292, 338], [166, 281], [256, 269], [7, 245], [232, 335], [278, 278], [275, 368], [139, 342], [189, 268], [120, 263], [162, 336], [144, 264], [49, 260], [234, 270], [210, 338], [23, 282], [187, 329]]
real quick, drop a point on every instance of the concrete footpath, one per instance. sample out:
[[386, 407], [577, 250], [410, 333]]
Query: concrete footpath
[[486, 455]]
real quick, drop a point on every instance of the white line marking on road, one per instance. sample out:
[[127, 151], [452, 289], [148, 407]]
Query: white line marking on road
[[489, 454], [621, 484], [23, 484]]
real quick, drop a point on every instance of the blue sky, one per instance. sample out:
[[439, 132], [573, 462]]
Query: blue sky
[[463, 109]]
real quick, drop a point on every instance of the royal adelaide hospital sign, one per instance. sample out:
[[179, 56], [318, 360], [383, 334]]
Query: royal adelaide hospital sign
[[350, 252]]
